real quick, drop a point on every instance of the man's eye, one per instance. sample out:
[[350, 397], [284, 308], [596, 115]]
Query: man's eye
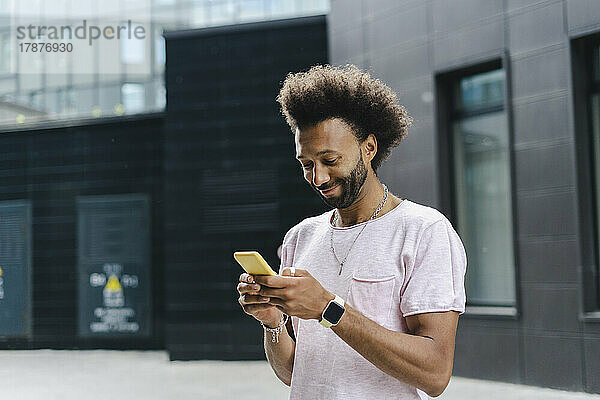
[[327, 162]]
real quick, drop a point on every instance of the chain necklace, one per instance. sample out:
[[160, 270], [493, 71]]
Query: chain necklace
[[377, 210]]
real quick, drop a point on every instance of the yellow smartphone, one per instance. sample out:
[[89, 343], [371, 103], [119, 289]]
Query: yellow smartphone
[[253, 263]]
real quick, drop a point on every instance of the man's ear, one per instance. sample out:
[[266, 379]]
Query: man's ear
[[370, 147]]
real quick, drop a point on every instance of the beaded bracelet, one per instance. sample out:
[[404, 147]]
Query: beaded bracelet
[[276, 331]]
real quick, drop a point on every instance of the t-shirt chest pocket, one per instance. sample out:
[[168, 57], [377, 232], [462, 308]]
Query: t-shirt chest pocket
[[372, 296]]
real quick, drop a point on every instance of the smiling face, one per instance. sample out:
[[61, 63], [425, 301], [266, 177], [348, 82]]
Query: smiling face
[[331, 157]]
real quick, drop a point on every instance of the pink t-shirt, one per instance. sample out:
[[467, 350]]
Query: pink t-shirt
[[408, 261]]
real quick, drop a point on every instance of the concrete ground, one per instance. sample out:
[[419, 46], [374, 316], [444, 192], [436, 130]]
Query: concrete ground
[[149, 375]]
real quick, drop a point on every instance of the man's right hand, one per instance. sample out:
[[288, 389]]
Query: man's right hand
[[256, 305]]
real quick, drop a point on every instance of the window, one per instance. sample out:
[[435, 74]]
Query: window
[[109, 98], [133, 96], [222, 12], [84, 86], [479, 181], [133, 50], [6, 6], [160, 55], [199, 15], [313, 6], [5, 53], [252, 9], [160, 95], [586, 98], [594, 107], [282, 8], [37, 99]]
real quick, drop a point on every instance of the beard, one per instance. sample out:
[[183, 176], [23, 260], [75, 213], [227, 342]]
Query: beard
[[350, 187]]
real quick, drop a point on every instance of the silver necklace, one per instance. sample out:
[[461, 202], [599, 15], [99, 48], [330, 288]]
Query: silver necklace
[[335, 216]]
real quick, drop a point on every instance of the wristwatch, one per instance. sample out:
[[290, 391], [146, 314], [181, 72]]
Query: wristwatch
[[333, 312]]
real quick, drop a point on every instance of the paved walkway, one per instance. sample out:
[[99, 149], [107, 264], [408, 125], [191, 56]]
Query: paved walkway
[[149, 375]]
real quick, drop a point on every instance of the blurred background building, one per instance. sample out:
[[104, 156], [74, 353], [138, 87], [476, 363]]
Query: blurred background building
[[118, 227], [506, 143], [135, 82]]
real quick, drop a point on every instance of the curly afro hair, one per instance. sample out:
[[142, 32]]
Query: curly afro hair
[[367, 105]]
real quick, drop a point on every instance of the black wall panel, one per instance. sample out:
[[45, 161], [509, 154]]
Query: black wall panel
[[113, 243], [232, 182], [49, 167], [15, 268]]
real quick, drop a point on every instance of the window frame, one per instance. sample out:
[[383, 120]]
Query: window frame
[[581, 51], [444, 114]]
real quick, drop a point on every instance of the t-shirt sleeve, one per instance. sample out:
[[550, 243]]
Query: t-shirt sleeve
[[435, 281]]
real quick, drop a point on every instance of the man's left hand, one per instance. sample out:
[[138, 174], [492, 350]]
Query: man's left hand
[[300, 295]]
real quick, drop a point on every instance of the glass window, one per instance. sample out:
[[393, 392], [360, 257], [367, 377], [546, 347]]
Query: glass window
[[36, 99], [199, 15], [70, 103], [133, 50], [313, 6], [160, 56], [57, 100], [133, 96], [160, 95], [222, 12], [483, 188], [110, 97], [75, 86], [282, 8], [252, 9], [480, 91], [5, 53], [6, 6], [85, 102], [8, 86], [594, 107]]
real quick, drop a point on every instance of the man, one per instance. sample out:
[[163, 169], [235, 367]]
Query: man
[[374, 287]]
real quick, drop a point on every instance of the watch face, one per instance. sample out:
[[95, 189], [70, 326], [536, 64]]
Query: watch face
[[333, 312]]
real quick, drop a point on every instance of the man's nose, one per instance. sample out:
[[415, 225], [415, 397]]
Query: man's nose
[[320, 176]]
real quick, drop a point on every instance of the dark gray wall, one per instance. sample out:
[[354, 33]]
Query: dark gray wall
[[49, 166], [232, 182], [552, 341]]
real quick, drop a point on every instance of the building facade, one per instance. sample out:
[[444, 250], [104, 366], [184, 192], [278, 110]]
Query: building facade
[[505, 96], [120, 232], [505, 142], [113, 77]]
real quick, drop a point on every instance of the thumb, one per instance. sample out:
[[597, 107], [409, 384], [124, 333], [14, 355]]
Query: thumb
[[288, 271]]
